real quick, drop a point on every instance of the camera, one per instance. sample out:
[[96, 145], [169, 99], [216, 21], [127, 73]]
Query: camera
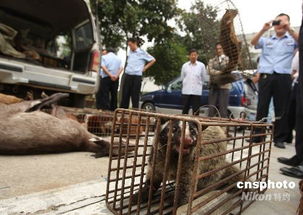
[[276, 22]]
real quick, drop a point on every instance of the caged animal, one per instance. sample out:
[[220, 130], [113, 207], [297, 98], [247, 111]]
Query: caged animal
[[228, 38], [190, 141], [24, 129]]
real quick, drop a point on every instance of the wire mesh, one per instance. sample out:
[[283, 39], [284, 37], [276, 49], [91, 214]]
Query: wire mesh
[[184, 165], [228, 30]]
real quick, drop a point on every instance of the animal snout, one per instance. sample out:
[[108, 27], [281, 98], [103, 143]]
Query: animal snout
[[187, 140]]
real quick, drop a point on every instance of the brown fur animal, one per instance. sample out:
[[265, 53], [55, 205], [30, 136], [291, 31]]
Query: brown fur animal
[[7, 99], [223, 78], [26, 130], [228, 38], [190, 141]]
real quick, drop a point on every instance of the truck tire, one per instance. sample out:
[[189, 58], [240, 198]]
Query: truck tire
[[77, 101]]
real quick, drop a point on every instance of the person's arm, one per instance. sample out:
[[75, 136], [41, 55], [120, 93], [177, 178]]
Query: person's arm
[[183, 72], [255, 40], [149, 64], [104, 67], [149, 59], [293, 33], [116, 77], [295, 65], [120, 71], [105, 70], [211, 70]]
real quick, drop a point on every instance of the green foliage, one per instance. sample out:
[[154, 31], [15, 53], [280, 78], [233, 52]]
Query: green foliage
[[122, 19], [170, 56], [201, 28]]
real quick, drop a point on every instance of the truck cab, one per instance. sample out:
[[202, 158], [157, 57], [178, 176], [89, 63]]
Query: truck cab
[[48, 46]]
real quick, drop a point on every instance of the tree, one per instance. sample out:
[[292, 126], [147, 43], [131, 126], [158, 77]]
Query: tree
[[122, 19], [201, 28], [170, 56]]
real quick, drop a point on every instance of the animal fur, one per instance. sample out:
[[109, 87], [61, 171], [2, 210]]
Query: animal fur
[[228, 38], [24, 129], [7, 99], [224, 78], [210, 133]]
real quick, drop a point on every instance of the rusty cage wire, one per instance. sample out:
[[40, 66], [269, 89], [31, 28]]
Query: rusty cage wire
[[132, 175]]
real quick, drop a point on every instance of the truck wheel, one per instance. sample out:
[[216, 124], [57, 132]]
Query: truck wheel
[[77, 101]]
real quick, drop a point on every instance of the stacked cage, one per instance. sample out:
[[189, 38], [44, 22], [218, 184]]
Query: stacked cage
[[168, 174]]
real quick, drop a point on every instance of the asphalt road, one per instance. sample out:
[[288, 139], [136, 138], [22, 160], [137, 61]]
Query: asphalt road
[[20, 175]]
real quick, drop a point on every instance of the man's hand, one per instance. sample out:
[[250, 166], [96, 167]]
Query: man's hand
[[291, 31], [267, 26], [113, 77], [257, 37]]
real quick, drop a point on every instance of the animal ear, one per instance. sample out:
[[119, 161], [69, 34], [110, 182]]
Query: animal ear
[[163, 120], [204, 127]]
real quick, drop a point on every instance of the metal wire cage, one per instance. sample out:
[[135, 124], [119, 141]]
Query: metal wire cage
[[95, 121], [229, 31], [168, 174]]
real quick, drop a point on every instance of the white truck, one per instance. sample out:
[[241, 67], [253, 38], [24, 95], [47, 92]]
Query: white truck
[[57, 49]]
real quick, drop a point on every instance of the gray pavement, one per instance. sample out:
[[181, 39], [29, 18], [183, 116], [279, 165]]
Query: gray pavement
[[74, 183]]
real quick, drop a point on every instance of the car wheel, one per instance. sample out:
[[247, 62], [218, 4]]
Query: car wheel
[[148, 106]]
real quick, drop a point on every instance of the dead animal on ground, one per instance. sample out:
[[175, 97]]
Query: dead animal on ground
[[228, 38], [24, 129], [188, 157]]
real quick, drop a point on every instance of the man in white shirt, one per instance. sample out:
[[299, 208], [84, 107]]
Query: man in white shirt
[[193, 74]]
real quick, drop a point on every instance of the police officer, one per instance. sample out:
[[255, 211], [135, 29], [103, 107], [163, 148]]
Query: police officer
[[111, 68], [275, 71], [138, 61]]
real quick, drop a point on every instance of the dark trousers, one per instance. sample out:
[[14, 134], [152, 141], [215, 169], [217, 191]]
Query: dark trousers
[[191, 101], [290, 117], [218, 98], [299, 121], [278, 87], [107, 94], [131, 90]]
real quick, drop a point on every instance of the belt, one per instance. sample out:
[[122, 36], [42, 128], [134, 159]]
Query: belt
[[265, 75]]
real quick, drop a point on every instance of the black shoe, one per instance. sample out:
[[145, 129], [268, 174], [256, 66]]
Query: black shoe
[[296, 172], [294, 161], [280, 145]]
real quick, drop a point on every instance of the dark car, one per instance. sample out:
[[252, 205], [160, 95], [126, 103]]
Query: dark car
[[169, 99]]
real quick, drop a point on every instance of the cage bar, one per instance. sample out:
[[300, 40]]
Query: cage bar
[[151, 179]]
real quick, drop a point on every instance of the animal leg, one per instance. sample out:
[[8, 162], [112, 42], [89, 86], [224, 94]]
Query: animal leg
[[99, 146], [184, 186], [146, 187], [47, 101]]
